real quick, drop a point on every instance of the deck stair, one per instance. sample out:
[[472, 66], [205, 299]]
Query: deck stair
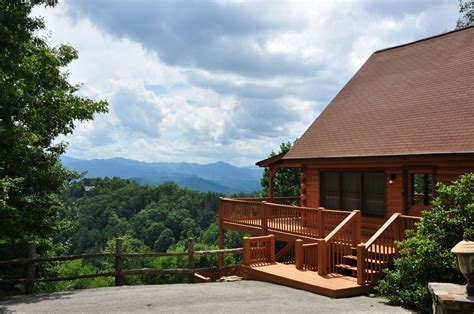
[[375, 264]]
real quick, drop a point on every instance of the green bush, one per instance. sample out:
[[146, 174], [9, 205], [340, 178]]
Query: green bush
[[425, 255]]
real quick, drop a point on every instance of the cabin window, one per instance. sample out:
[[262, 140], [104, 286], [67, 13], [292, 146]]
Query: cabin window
[[422, 188], [331, 190], [349, 190]]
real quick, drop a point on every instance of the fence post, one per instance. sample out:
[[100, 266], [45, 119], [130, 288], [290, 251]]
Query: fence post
[[361, 264], [272, 248], [299, 254], [247, 253], [265, 212], [357, 229], [322, 257], [30, 269], [118, 262], [191, 258]]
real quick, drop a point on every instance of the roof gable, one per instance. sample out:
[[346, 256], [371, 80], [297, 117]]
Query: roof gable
[[416, 98]]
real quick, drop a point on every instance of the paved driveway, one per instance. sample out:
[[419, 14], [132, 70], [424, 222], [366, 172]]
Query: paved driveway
[[223, 297]]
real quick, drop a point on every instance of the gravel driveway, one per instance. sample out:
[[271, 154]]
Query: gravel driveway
[[220, 297]]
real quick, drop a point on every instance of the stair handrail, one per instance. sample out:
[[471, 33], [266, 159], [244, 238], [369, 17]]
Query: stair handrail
[[363, 249], [355, 218], [381, 230]]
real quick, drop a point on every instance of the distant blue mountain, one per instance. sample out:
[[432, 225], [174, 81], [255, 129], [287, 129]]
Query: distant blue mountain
[[216, 177]]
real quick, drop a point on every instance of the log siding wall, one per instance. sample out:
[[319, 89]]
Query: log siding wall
[[444, 168]]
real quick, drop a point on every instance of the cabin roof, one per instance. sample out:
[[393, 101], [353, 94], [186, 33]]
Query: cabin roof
[[411, 99]]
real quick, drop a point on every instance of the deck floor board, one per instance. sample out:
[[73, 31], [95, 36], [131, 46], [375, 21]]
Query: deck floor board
[[333, 285]]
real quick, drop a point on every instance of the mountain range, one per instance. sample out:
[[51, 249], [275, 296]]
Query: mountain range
[[218, 177]]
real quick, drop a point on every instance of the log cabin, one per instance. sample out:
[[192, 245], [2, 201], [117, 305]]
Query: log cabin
[[369, 165]]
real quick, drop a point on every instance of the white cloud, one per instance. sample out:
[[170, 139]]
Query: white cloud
[[221, 80]]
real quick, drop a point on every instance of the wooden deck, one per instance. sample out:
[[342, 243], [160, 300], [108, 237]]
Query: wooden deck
[[331, 285], [348, 261]]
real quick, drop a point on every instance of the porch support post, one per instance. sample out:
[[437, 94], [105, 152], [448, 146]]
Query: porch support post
[[271, 177]]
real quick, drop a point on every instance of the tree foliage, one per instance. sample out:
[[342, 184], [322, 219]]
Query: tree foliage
[[286, 181], [426, 255], [37, 104], [466, 8]]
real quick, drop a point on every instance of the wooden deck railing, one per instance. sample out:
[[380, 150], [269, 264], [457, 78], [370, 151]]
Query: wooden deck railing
[[306, 255], [284, 200], [271, 217], [119, 256], [339, 243], [242, 212], [380, 250], [259, 250]]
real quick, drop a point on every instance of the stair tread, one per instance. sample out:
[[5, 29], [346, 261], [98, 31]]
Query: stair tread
[[354, 268], [369, 260]]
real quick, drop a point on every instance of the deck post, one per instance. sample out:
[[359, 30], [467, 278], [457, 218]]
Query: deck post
[[320, 223], [299, 254], [221, 234], [272, 248], [265, 212], [401, 229], [357, 229], [322, 257], [30, 269], [361, 264], [246, 246]]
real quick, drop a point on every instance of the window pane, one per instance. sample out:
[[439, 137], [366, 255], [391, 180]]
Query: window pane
[[373, 190], [422, 188], [351, 190], [331, 190]]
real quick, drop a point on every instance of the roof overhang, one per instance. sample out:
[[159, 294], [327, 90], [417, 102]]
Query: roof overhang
[[277, 161]]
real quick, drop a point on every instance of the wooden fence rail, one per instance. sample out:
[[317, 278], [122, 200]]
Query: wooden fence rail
[[119, 256]]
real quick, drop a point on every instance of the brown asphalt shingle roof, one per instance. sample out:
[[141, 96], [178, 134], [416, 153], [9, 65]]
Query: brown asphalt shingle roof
[[412, 99]]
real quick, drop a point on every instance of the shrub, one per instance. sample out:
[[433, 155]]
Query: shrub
[[425, 255]]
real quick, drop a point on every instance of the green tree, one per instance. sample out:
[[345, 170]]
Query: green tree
[[165, 240], [286, 181], [37, 104], [426, 255], [466, 8]]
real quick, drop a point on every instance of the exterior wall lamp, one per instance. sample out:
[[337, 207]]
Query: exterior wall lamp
[[464, 250], [391, 178]]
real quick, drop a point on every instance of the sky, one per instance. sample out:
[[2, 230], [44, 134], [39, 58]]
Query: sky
[[207, 81]]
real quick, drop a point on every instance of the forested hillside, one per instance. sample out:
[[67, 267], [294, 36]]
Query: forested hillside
[[159, 217], [149, 218]]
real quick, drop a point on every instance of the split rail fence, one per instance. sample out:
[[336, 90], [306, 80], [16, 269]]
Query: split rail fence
[[119, 256]]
